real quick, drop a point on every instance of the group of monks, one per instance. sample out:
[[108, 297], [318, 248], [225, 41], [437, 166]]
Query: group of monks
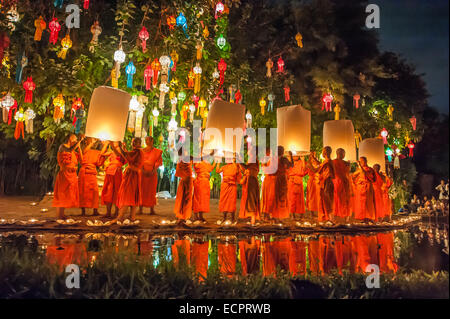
[[333, 193]]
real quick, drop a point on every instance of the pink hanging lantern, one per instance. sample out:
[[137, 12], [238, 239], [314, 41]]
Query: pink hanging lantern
[[356, 99], [280, 65], [327, 99], [413, 121], [54, 28], [29, 87], [144, 36], [384, 134], [148, 74], [86, 4]]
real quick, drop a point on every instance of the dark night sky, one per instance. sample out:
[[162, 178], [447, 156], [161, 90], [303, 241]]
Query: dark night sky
[[419, 31]]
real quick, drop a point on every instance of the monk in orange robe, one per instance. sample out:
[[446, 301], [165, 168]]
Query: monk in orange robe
[[312, 190], [387, 203], [111, 184], [378, 193], [149, 179], [129, 193], [268, 187], [296, 197], [183, 202], [199, 258], [249, 252], [326, 186], [200, 202], [87, 176], [364, 203], [342, 191], [227, 258], [66, 193], [228, 189], [250, 202]]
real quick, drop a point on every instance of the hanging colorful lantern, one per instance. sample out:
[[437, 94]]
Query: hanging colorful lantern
[[119, 58], [199, 48], [231, 90], [197, 79], [144, 36], [86, 4], [182, 22], [13, 16], [59, 104], [184, 114], [8, 103], [337, 110], [29, 87], [172, 127], [20, 118], [389, 154], [411, 148], [155, 114], [201, 106], [219, 9], [66, 44], [269, 66], [299, 39], [238, 97], [173, 102], [356, 99], [148, 74], [280, 65], [114, 78], [270, 98], [22, 62], [4, 44], [222, 67], [174, 56], [384, 134], [181, 96], [78, 114], [287, 95], [191, 112], [40, 25], [96, 30], [390, 111], [205, 32], [163, 90], [131, 71], [191, 77], [165, 62], [30, 115], [327, 99], [262, 104], [58, 3], [54, 28], [204, 116], [156, 66], [221, 42], [413, 121], [248, 117]]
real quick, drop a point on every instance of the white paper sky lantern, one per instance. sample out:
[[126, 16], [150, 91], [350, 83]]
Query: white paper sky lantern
[[373, 150], [340, 134], [294, 129], [108, 113], [223, 115]]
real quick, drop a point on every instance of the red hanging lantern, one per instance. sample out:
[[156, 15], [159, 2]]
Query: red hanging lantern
[[29, 87], [287, 91], [411, 148], [238, 97], [222, 67], [144, 36], [413, 121], [77, 104], [54, 28], [327, 99], [12, 112], [280, 65], [356, 99], [171, 22], [191, 78], [384, 134], [86, 4], [156, 66], [148, 74], [4, 44]]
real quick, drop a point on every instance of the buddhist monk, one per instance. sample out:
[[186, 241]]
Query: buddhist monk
[[387, 203], [200, 202], [378, 193], [231, 176], [66, 193], [183, 202], [87, 177], [268, 186], [149, 179], [312, 189], [129, 193], [326, 174], [296, 196], [111, 184], [364, 203], [341, 181], [250, 203]]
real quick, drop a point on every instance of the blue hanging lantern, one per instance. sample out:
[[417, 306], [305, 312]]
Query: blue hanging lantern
[[58, 3], [130, 70], [271, 98], [182, 22], [22, 61]]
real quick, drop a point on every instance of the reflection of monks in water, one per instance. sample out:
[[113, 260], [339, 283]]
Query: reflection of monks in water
[[199, 257], [145, 245], [276, 256], [249, 251], [386, 252], [297, 258], [366, 252], [343, 249], [315, 258], [227, 258], [63, 254], [181, 251], [328, 251]]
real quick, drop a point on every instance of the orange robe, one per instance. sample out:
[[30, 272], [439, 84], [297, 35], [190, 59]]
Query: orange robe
[[386, 252], [113, 179], [364, 198], [312, 192], [66, 185], [326, 191], [269, 258], [199, 258], [181, 252], [366, 252], [129, 193], [387, 203], [297, 258], [296, 197], [281, 209], [249, 254], [250, 205], [342, 195], [268, 191], [329, 254], [343, 253], [87, 179], [228, 189], [183, 201], [378, 194], [202, 195], [315, 259], [66, 254], [149, 181], [227, 258]]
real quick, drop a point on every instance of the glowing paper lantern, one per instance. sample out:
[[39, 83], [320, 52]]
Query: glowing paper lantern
[[384, 134], [54, 28], [294, 129], [144, 36], [299, 39], [373, 150], [108, 113], [221, 42], [40, 25], [223, 115], [66, 44], [411, 149], [340, 134]]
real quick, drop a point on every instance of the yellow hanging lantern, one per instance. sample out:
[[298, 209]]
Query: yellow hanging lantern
[[66, 44], [201, 106], [337, 110], [390, 111], [358, 138], [40, 25], [206, 32], [197, 78], [115, 78], [199, 48], [59, 104], [205, 117], [299, 39], [262, 104]]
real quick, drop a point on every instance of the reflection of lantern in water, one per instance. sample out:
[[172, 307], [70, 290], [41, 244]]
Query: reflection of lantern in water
[[294, 129], [340, 134], [108, 112], [373, 150]]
